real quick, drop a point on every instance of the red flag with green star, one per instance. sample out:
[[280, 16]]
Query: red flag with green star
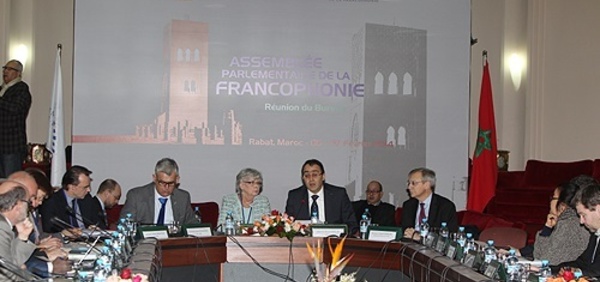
[[485, 167]]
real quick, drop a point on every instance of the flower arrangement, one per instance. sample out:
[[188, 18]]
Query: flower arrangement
[[277, 224], [127, 276], [567, 275], [330, 273]]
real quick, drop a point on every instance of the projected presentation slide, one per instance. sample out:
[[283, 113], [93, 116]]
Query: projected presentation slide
[[370, 88]]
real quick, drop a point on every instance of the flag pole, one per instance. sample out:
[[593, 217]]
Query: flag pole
[[484, 57], [56, 143]]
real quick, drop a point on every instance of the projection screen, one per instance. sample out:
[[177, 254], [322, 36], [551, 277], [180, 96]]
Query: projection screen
[[370, 88]]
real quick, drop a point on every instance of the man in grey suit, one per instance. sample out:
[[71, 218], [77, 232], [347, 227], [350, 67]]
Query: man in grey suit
[[15, 248], [161, 201]]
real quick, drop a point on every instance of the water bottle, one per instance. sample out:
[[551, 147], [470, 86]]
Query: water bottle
[[470, 244], [197, 214], [512, 266], [444, 232], [545, 271], [424, 229], [364, 226], [314, 218], [100, 273], [368, 215], [489, 255], [460, 237], [229, 229]]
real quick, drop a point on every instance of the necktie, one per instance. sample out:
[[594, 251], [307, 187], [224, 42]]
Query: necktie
[[74, 215], [104, 218], [314, 208], [161, 213], [34, 235], [422, 213]]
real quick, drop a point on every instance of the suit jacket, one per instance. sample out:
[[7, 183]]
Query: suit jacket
[[38, 266], [140, 203], [231, 203], [56, 206], [588, 261], [441, 210], [14, 108], [98, 213], [338, 208], [382, 214], [12, 248]]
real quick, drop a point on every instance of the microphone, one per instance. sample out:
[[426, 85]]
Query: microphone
[[87, 222], [89, 250], [61, 223]]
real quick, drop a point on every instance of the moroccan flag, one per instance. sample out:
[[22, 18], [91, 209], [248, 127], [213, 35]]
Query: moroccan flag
[[485, 167], [56, 131]]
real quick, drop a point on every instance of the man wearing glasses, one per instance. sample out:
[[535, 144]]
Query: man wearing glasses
[[160, 202], [15, 227], [381, 213], [330, 203], [15, 101], [424, 203]]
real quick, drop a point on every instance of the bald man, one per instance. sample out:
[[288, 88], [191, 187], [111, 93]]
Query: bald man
[[46, 245]]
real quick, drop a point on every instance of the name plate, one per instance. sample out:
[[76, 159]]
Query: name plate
[[158, 232], [384, 233], [326, 230], [197, 230]]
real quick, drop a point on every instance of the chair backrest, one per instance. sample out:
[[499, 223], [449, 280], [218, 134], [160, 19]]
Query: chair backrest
[[209, 212], [398, 216], [505, 236]]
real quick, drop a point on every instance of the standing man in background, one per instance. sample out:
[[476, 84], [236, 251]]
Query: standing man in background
[[15, 101]]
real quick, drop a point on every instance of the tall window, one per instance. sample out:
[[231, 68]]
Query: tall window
[[379, 83]]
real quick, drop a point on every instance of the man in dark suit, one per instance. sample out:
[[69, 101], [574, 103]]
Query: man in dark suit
[[424, 203], [587, 204], [15, 101], [68, 204], [330, 202], [161, 201], [109, 194], [381, 213]]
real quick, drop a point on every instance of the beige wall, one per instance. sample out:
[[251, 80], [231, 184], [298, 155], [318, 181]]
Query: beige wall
[[552, 116], [41, 25]]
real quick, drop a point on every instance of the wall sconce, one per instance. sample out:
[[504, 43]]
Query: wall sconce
[[516, 63], [21, 53]]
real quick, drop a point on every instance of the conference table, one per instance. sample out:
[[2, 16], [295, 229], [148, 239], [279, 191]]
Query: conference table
[[246, 258]]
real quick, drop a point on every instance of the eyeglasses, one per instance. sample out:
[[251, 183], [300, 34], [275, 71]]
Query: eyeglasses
[[10, 68], [313, 174], [255, 182], [414, 182], [373, 192], [167, 184], [27, 202], [119, 198], [552, 198]]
